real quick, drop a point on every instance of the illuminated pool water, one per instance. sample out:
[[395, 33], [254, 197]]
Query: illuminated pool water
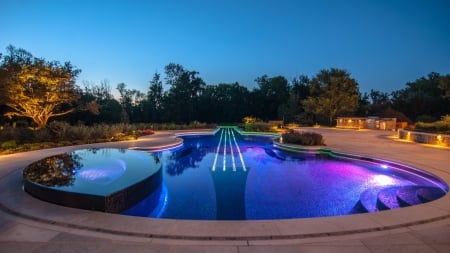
[[229, 176], [108, 180]]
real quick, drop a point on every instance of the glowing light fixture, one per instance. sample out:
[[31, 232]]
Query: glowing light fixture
[[217, 152], [231, 149], [239, 151], [225, 153], [439, 139]]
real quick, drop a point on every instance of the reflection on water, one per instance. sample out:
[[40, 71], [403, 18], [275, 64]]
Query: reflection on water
[[103, 173], [58, 170], [184, 158]]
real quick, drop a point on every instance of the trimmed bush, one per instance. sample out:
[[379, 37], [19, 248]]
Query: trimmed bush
[[9, 145], [303, 138], [442, 126], [425, 118]]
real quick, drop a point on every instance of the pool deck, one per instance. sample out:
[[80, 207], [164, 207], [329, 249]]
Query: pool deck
[[31, 225]]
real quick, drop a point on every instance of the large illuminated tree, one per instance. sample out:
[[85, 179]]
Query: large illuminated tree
[[37, 89]]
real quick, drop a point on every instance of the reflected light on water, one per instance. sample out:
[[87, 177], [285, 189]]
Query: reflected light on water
[[381, 180], [103, 174]]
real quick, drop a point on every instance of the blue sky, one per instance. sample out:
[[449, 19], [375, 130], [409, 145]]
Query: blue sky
[[383, 44]]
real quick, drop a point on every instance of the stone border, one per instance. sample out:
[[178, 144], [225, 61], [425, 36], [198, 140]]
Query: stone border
[[426, 138]]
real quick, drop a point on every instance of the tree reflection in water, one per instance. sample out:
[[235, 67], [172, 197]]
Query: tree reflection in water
[[58, 170], [188, 157]]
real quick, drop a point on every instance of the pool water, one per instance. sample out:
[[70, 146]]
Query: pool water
[[229, 176], [109, 180]]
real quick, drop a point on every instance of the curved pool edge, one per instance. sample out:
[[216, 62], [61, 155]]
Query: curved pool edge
[[399, 165], [16, 202], [156, 148]]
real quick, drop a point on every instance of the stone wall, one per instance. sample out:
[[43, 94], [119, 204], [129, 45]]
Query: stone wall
[[426, 138]]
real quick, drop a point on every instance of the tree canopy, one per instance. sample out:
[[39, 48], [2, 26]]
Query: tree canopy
[[181, 100], [41, 90], [35, 88], [425, 97], [332, 92]]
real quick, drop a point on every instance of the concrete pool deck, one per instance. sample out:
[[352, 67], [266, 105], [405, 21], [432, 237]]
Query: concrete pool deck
[[30, 225]]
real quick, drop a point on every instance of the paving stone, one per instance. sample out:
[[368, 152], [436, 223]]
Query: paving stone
[[24, 233], [437, 235], [19, 247], [72, 247], [407, 248]]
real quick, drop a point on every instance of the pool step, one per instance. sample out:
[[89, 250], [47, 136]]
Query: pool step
[[275, 154], [367, 201], [407, 196], [387, 198], [427, 194]]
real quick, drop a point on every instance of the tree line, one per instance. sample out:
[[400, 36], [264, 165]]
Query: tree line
[[39, 91]]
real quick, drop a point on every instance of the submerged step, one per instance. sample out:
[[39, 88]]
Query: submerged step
[[275, 154], [387, 199], [427, 194], [407, 196], [367, 201]]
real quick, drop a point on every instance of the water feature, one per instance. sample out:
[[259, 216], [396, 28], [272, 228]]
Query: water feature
[[230, 176]]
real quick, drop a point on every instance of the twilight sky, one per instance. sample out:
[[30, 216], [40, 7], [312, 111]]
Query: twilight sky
[[382, 43]]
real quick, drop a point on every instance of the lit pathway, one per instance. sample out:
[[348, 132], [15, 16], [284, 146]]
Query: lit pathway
[[30, 225]]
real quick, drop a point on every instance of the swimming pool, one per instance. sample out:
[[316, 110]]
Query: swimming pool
[[229, 176]]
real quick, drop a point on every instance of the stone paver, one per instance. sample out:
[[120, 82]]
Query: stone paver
[[30, 225]]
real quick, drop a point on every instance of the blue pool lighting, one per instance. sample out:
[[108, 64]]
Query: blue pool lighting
[[228, 175]]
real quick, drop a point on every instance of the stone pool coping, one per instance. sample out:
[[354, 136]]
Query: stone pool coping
[[18, 203]]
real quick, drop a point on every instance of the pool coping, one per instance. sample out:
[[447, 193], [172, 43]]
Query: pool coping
[[18, 203]]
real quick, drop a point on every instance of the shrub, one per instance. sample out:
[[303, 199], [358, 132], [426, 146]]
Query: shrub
[[62, 133], [147, 132], [261, 127], [441, 126], [7, 133], [248, 127], [425, 118], [100, 132], [9, 145], [42, 135], [249, 120], [59, 129], [446, 118], [303, 138], [79, 132]]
